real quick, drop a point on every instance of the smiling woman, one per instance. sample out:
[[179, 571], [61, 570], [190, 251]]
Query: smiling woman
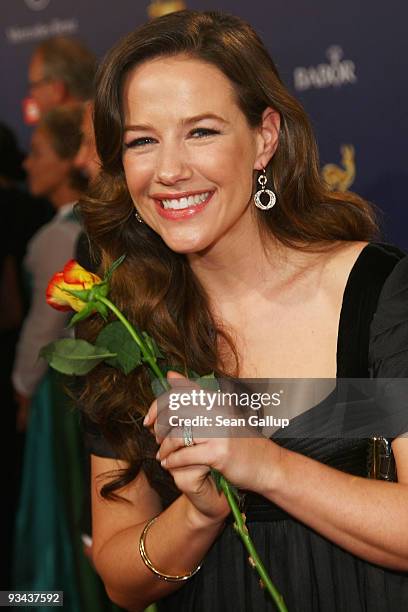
[[240, 262]]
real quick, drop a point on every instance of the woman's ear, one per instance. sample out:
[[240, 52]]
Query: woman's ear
[[268, 137]]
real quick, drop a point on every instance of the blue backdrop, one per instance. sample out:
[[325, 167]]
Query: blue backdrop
[[346, 61]]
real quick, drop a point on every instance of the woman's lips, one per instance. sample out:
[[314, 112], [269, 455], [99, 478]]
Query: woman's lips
[[175, 214]]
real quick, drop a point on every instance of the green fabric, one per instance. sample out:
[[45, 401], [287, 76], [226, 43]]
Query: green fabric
[[48, 547], [44, 555]]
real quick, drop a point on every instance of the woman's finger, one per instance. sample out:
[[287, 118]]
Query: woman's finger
[[176, 440], [169, 405], [155, 408], [170, 444], [186, 456]]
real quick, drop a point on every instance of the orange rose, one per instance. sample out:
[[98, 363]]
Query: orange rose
[[73, 278]]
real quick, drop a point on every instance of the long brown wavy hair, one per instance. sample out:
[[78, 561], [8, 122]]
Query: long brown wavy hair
[[156, 287]]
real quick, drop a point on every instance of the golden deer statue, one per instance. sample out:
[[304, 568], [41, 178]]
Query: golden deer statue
[[157, 8], [340, 178]]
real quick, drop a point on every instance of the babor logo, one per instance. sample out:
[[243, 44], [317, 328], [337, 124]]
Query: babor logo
[[37, 5], [336, 73]]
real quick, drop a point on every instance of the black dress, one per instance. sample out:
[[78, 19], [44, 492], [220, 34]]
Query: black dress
[[312, 573]]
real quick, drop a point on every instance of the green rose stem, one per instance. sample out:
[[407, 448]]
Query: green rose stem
[[147, 354], [254, 558], [239, 524]]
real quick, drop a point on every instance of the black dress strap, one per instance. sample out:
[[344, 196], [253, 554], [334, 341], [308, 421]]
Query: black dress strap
[[365, 282]]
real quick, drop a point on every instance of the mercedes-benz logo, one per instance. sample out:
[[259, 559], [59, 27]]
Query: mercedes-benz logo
[[334, 53], [37, 5]]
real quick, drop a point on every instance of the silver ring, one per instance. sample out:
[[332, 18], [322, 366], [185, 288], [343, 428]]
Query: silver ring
[[188, 435]]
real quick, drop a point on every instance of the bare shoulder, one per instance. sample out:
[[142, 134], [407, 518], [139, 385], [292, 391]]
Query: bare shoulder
[[339, 262], [343, 255], [139, 501]]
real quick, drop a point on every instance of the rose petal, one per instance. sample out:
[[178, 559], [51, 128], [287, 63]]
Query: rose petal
[[54, 296], [76, 274], [60, 299]]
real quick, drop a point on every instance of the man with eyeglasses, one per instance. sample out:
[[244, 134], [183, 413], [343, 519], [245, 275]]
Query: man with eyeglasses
[[61, 72]]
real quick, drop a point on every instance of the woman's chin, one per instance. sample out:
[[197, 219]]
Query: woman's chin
[[186, 244], [184, 249]]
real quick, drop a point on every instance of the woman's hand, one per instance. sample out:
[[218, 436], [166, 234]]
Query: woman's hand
[[250, 463], [194, 480]]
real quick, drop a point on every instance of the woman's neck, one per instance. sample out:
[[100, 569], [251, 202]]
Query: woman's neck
[[239, 262], [248, 269]]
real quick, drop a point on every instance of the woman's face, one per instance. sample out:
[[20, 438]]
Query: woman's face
[[189, 153], [46, 170]]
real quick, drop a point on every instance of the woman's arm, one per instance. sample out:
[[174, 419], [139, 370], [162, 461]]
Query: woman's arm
[[176, 543], [368, 518]]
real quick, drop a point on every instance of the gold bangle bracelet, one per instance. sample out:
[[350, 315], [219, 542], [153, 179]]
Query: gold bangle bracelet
[[149, 564]]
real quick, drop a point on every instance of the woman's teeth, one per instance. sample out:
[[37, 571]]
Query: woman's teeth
[[186, 202]]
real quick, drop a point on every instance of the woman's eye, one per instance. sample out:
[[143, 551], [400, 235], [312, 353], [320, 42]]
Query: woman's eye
[[138, 142], [203, 132]]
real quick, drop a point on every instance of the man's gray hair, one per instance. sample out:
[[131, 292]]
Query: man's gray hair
[[68, 60]]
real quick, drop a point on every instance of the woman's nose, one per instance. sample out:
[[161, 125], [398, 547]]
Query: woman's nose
[[173, 165]]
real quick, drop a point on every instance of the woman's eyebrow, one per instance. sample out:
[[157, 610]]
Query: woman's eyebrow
[[202, 116], [188, 121], [140, 127]]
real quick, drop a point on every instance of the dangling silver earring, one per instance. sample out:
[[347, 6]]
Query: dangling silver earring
[[262, 180], [138, 217]]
